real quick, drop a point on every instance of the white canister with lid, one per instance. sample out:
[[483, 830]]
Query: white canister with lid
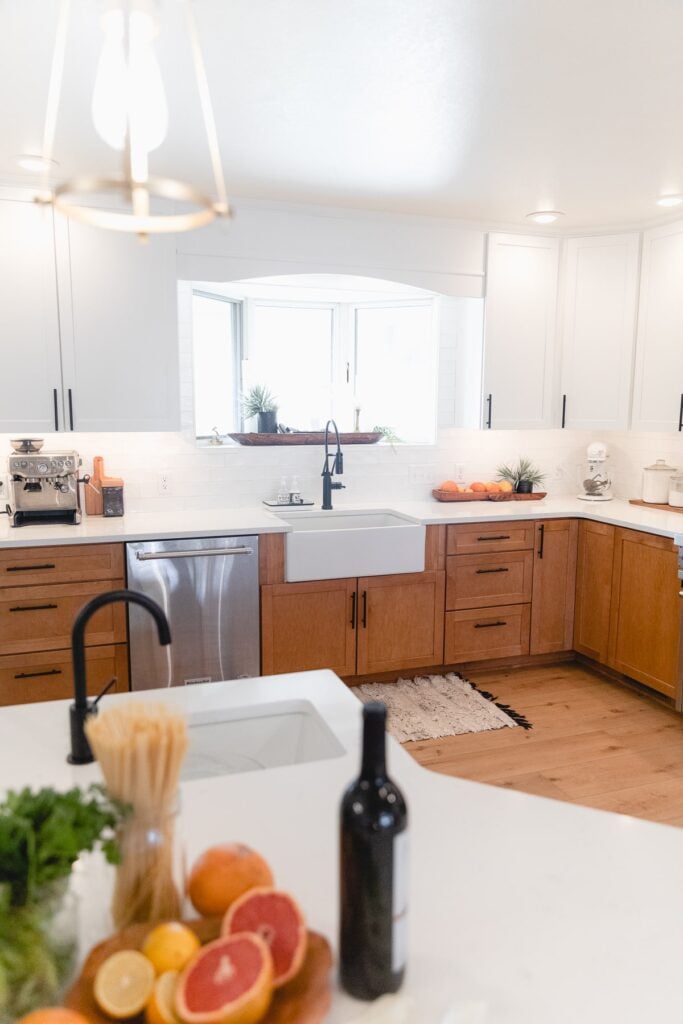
[[656, 479], [676, 490]]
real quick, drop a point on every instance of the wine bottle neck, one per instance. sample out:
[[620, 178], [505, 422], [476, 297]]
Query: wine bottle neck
[[374, 760]]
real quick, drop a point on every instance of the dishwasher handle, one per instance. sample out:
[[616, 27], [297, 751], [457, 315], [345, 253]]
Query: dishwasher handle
[[148, 556]]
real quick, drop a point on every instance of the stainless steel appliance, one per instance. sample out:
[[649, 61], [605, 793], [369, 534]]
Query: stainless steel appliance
[[209, 590], [44, 486]]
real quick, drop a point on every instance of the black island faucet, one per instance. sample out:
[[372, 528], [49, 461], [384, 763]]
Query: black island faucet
[[337, 467], [82, 708]]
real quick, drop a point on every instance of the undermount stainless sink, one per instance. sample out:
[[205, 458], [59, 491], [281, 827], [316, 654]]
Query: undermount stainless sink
[[341, 544], [252, 738]]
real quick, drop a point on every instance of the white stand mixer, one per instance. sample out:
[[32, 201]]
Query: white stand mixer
[[597, 485]]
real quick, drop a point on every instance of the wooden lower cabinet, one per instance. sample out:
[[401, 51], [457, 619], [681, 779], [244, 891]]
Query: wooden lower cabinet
[[645, 617], [482, 580], [594, 589], [552, 599], [306, 626], [26, 678], [400, 621], [480, 634]]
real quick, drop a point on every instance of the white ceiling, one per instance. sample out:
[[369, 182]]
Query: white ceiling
[[476, 109]]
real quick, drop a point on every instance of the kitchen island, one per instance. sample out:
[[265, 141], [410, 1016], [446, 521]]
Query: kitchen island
[[522, 909]]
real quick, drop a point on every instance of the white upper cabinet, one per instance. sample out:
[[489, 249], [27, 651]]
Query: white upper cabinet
[[520, 331], [658, 388], [598, 331], [118, 317], [31, 380]]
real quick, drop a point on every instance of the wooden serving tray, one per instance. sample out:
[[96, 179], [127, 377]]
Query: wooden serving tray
[[650, 504], [302, 437], [488, 496], [305, 1000]]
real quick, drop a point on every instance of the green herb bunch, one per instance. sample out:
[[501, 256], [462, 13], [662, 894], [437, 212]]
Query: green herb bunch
[[524, 470], [258, 399]]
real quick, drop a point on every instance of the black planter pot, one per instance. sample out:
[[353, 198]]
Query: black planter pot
[[524, 487], [267, 422]]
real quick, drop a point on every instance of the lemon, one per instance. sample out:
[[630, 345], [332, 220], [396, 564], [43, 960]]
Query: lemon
[[161, 1007], [123, 984], [170, 946]]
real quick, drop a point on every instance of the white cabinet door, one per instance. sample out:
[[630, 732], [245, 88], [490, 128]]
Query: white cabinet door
[[30, 377], [520, 331], [658, 388], [598, 336], [118, 314]]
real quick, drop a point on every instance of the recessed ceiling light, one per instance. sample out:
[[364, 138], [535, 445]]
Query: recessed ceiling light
[[673, 199], [544, 216], [35, 163]]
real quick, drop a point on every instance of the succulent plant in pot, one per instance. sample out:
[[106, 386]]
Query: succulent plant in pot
[[523, 476], [259, 401]]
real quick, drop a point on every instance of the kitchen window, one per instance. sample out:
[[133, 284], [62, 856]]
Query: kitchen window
[[371, 362]]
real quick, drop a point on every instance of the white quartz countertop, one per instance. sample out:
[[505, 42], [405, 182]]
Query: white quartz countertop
[[175, 523], [522, 910]]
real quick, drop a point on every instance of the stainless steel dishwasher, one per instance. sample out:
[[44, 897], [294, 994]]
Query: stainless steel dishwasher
[[209, 589]]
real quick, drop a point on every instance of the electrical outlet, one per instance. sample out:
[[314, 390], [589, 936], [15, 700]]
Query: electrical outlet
[[164, 483], [460, 471]]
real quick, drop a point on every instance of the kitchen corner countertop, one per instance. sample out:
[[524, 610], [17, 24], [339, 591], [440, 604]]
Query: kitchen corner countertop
[[523, 910], [176, 523]]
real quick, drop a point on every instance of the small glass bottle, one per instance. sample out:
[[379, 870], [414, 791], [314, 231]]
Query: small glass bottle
[[294, 492], [283, 492]]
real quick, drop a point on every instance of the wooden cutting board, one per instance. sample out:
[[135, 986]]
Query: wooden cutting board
[[305, 1000]]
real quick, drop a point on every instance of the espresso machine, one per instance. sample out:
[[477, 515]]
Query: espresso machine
[[43, 485]]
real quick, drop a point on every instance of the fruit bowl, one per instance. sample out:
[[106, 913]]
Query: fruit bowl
[[305, 999]]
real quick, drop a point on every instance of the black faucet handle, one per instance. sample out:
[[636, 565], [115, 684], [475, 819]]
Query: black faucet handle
[[98, 698], [339, 462], [336, 486]]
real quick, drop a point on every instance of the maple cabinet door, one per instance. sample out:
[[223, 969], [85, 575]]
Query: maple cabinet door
[[552, 599], [400, 621], [307, 626], [594, 590]]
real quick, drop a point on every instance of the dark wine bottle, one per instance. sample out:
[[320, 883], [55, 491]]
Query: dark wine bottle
[[373, 871]]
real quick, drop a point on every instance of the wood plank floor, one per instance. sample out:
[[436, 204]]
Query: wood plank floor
[[593, 742]]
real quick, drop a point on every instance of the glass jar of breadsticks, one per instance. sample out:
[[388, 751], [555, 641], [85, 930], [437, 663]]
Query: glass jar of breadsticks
[[140, 748]]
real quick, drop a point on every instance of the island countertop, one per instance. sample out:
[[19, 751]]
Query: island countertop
[[522, 909]]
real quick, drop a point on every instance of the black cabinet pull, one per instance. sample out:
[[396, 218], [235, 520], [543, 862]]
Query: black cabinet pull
[[71, 410], [501, 537], [541, 541], [483, 572], [29, 568], [353, 610], [34, 675], [365, 609], [34, 608], [564, 411], [680, 415], [56, 407], [489, 402], [488, 625]]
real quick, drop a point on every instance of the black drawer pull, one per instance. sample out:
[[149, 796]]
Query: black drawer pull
[[502, 537], [488, 625], [483, 572], [35, 608], [29, 568], [34, 675]]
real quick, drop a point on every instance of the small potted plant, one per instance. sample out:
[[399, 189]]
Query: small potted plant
[[523, 477], [261, 402]]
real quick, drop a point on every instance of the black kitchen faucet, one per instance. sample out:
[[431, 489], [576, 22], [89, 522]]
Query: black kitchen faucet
[[337, 467]]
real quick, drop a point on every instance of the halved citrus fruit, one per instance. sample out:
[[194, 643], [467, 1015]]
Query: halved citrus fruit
[[123, 984], [54, 1015], [161, 1006], [274, 916], [230, 981], [170, 946], [222, 873]]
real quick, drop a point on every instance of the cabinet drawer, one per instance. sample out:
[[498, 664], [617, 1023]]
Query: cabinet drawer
[[25, 678], [68, 563], [41, 618], [483, 580], [469, 538], [480, 634]]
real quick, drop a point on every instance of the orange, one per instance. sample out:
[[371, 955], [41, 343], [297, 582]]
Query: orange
[[277, 918], [478, 486], [222, 874], [505, 486], [54, 1015], [161, 1007], [170, 946], [493, 488], [230, 981], [449, 485], [123, 984]]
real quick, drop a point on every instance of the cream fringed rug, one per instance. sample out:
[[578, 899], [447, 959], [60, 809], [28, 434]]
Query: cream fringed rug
[[429, 707]]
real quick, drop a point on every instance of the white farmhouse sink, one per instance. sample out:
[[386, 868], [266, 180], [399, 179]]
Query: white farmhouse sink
[[264, 736], [339, 544]]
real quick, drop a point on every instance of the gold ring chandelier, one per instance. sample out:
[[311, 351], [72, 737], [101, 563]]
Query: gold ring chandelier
[[130, 114]]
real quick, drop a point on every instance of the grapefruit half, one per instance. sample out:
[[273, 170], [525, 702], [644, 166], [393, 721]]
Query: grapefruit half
[[229, 981], [275, 917]]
